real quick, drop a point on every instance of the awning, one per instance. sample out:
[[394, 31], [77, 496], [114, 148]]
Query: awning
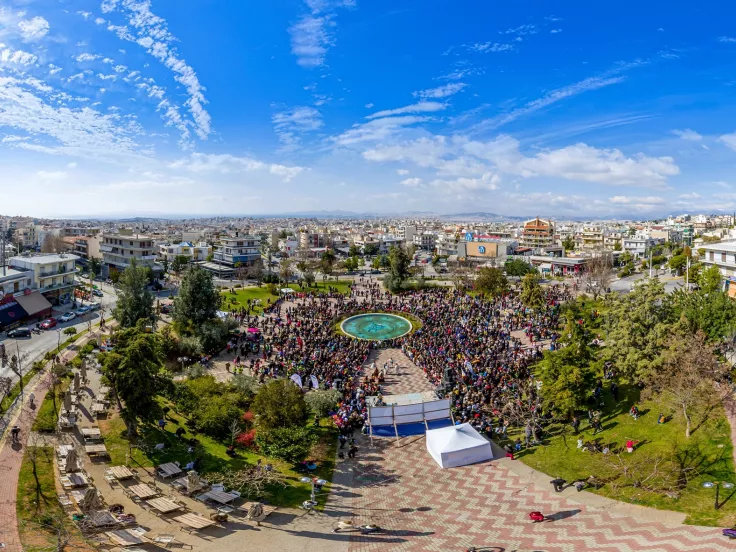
[[33, 303], [10, 313]]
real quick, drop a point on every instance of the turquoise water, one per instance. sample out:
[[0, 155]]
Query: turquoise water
[[376, 326]]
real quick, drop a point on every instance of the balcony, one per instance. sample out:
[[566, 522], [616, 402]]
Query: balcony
[[62, 270]]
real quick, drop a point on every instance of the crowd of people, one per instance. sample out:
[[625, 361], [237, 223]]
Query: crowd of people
[[468, 347]]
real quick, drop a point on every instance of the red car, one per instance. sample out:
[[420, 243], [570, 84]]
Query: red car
[[48, 323]]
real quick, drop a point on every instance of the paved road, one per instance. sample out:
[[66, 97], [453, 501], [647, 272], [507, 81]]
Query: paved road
[[37, 345], [623, 285]]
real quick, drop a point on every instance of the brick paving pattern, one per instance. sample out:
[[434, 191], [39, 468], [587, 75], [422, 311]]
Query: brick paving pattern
[[11, 457], [422, 507]]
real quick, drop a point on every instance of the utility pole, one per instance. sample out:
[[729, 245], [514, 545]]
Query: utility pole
[[687, 274], [650, 263]]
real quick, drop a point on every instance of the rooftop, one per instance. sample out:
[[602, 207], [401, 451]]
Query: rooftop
[[43, 258], [729, 247]]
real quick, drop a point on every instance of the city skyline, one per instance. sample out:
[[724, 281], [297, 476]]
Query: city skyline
[[120, 107]]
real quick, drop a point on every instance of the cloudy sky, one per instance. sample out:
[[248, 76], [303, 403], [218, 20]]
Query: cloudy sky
[[530, 107]]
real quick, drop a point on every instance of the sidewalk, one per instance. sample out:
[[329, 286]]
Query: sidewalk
[[11, 455]]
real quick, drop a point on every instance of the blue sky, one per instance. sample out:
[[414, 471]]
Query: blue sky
[[200, 107]]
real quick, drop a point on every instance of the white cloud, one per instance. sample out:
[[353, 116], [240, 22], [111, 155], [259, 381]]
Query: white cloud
[[151, 32], [693, 195], [226, 164], [53, 69], [688, 134], [727, 39], [411, 182], [310, 40], [592, 83], [421, 107], [523, 30], [628, 200], [71, 165], [555, 31], [18, 57], [402, 172], [100, 21], [729, 140], [368, 105], [289, 124], [313, 34], [485, 47], [486, 181], [33, 29], [87, 57], [377, 129], [60, 130], [441, 91]]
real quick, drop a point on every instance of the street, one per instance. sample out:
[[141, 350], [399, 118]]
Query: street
[[671, 283], [31, 349]]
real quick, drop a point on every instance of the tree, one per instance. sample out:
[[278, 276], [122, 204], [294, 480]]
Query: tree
[[285, 270], [134, 371], [568, 243], [213, 334], [354, 251], [689, 378], [95, 266], [598, 273], [135, 301], [280, 403], [198, 300], [399, 260], [617, 246], [491, 281], [370, 249], [376, 263], [462, 277], [638, 325], [713, 313], [532, 295], [327, 263], [165, 264], [711, 280], [179, 263], [309, 275], [519, 268], [321, 403], [255, 271]]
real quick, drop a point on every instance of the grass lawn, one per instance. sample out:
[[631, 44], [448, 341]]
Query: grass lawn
[[213, 456], [705, 456], [242, 295], [40, 517], [48, 414]]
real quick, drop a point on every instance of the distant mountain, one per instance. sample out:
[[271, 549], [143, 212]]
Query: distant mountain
[[482, 217]]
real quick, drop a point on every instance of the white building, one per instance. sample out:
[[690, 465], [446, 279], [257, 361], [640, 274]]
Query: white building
[[638, 246], [51, 274], [198, 252], [244, 250], [118, 250]]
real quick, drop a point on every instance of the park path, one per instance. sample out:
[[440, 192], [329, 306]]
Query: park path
[[424, 508]]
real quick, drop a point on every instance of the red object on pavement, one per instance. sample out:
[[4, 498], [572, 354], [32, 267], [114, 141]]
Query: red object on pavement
[[536, 516]]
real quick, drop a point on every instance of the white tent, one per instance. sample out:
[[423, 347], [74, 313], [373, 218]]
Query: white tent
[[458, 445]]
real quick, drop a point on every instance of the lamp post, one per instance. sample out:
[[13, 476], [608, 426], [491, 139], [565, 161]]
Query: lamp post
[[182, 360], [718, 485]]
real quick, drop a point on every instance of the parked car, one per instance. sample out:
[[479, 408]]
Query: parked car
[[97, 292], [81, 311], [67, 317], [94, 307], [20, 332], [167, 309], [48, 323]]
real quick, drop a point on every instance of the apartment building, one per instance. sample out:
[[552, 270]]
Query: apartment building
[[85, 247], [198, 252], [52, 275], [723, 255], [425, 241], [239, 249], [119, 249], [591, 238], [537, 233], [406, 233]]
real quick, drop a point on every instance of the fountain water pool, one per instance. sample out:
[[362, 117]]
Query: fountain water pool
[[376, 326]]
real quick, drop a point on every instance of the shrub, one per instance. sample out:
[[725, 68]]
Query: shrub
[[322, 402], [291, 444], [247, 439], [214, 415], [189, 346], [280, 403], [271, 288], [213, 335], [70, 331]]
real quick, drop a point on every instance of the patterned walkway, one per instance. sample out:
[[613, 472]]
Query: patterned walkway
[[424, 508]]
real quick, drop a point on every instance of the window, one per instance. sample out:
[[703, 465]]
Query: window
[[723, 257], [710, 255]]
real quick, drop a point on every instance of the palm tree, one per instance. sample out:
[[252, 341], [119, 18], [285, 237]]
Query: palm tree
[[285, 270]]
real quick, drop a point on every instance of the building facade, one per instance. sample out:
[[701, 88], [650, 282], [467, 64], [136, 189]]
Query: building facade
[[52, 275], [537, 233], [118, 250], [240, 249]]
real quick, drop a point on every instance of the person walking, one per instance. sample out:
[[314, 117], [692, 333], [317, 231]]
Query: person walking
[[558, 484], [575, 424]]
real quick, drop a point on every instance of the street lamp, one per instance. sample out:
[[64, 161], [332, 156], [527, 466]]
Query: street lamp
[[718, 485], [314, 482], [182, 360]]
